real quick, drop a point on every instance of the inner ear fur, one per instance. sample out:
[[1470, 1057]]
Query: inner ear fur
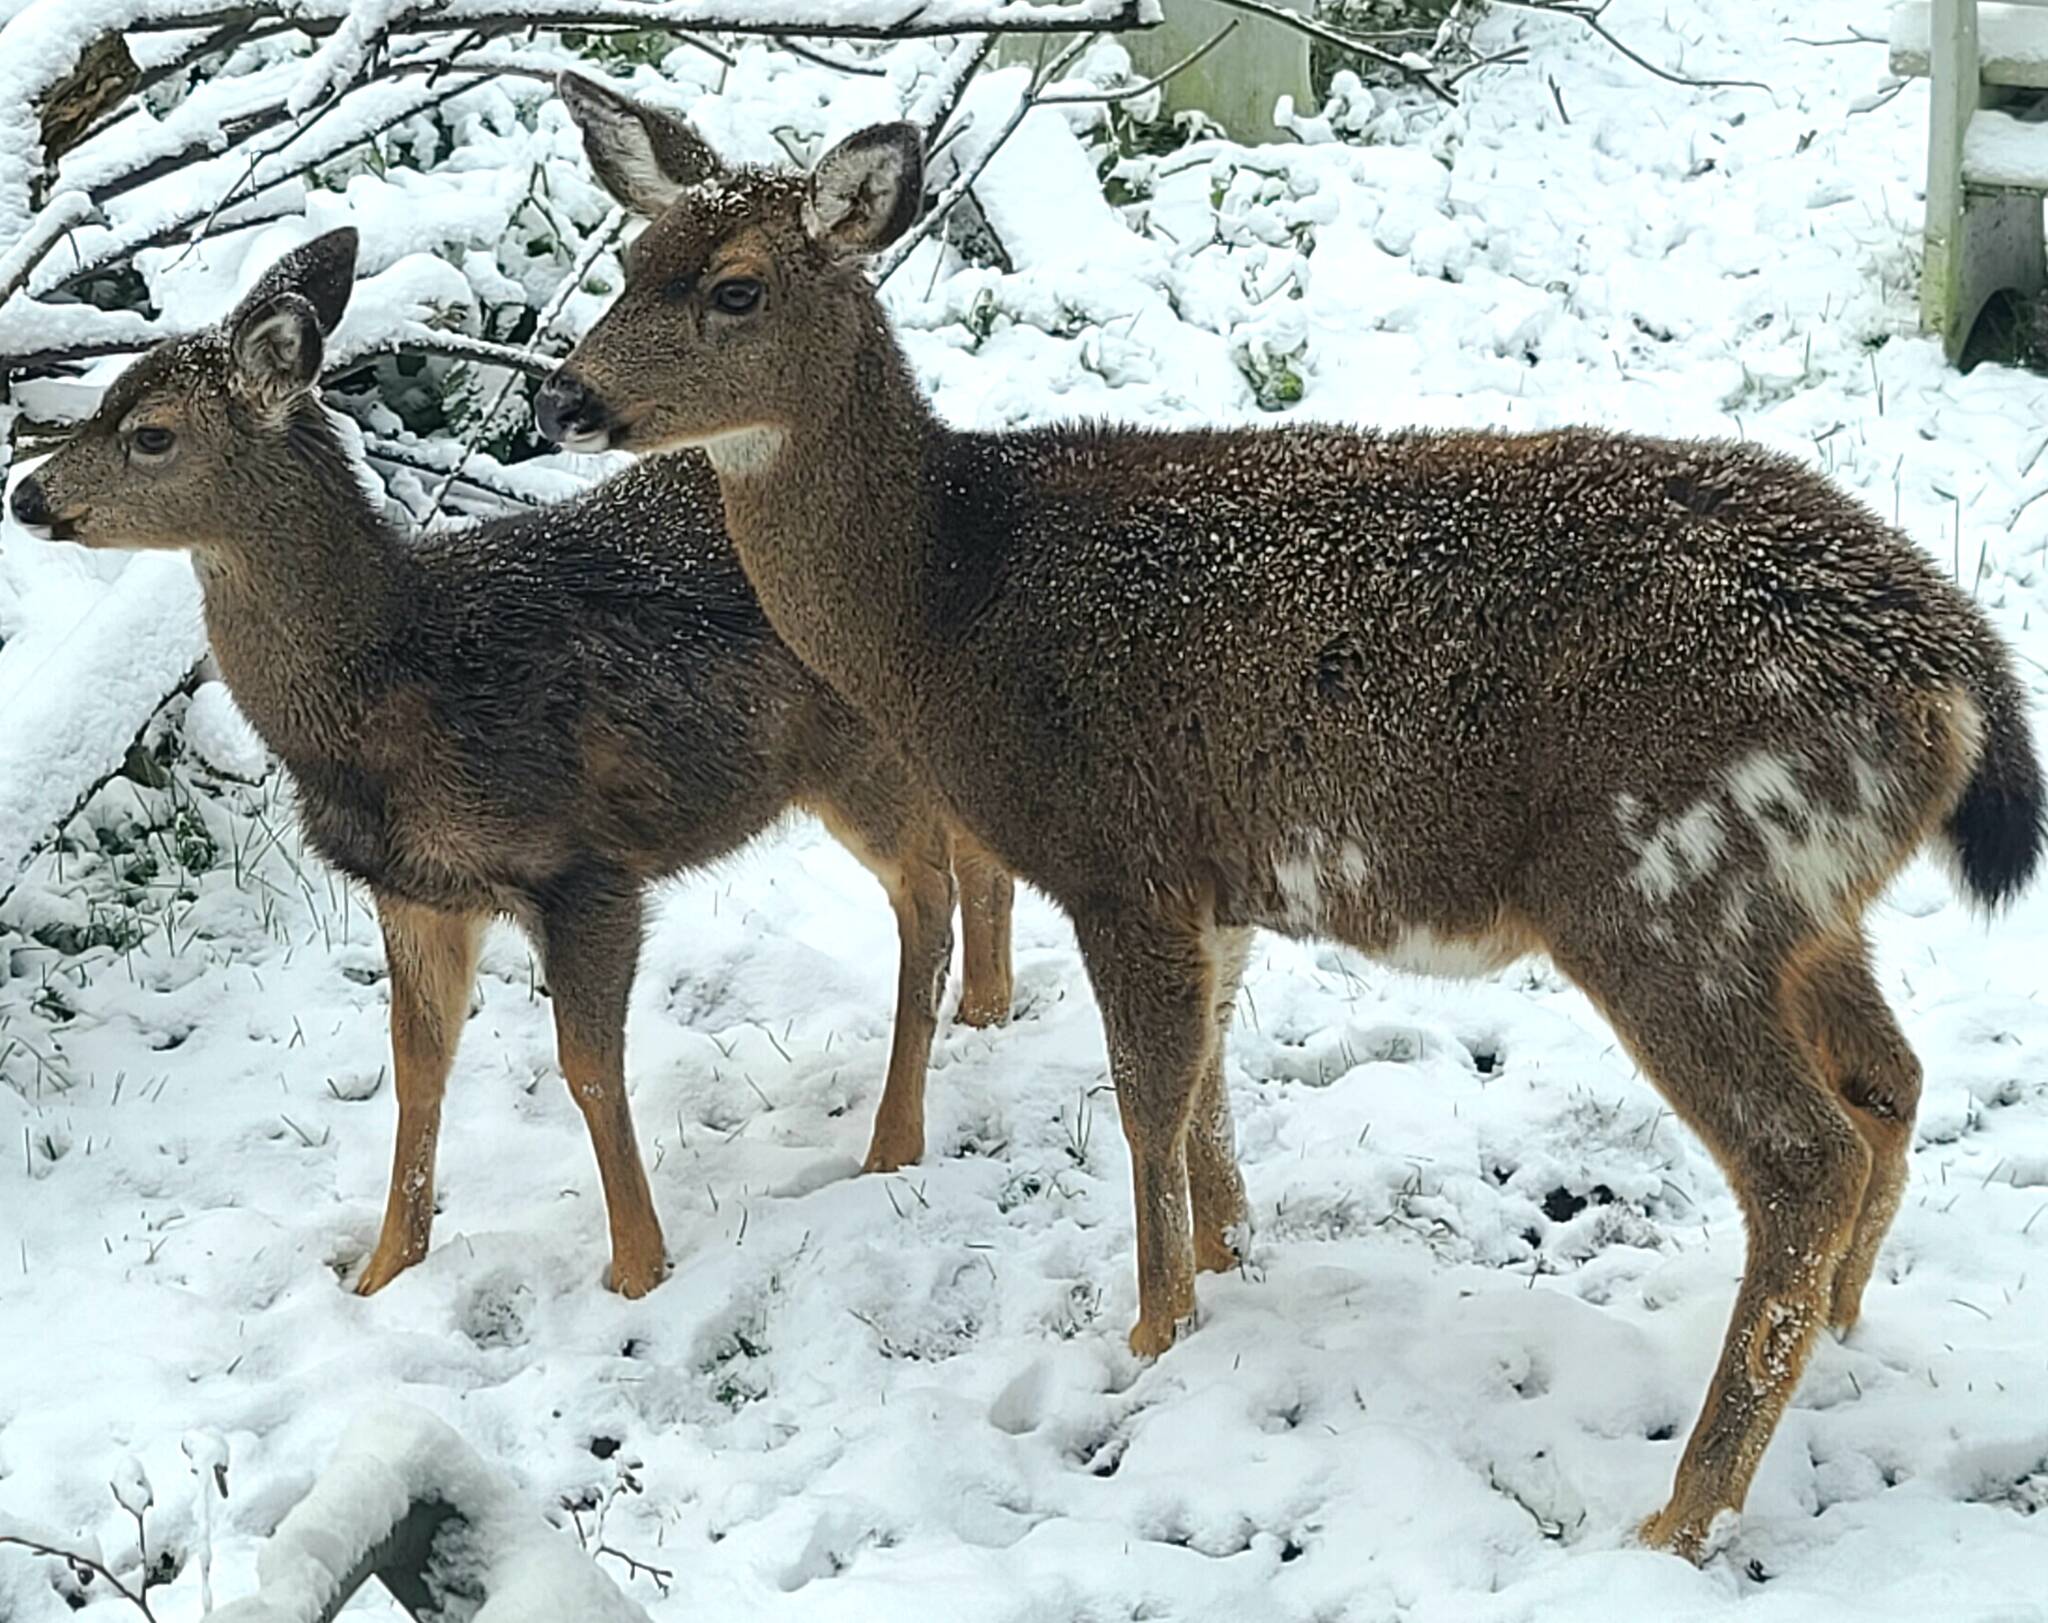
[[868, 189], [644, 157]]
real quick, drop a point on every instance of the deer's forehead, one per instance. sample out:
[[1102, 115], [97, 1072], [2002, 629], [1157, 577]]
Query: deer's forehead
[[751, 213], [183, 369]]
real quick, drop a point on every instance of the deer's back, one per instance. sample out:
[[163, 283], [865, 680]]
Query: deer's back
[[592, 684], [1439, 649]]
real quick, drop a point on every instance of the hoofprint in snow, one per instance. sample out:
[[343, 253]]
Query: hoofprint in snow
[[1491, 1272]]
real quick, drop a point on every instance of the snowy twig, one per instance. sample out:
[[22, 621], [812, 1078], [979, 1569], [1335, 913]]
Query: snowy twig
[[1590, 15], [1035, 96], [1415, 68], [818, 21], [64, 211], [836, 64], [415, 339], [43, 362], [594, 1543], [1068, 98], [206, 215], [1855, 36], [934, 110], [1513, 56], [962, 184], [84, 1565], [255, 121], [600, 244], [410, 340], [416, 461]]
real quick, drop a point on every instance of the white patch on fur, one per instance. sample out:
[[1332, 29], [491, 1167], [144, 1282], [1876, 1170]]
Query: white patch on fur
[[1301, 888], [1824, 855], [1735, 923], [745, 451], [1353, 863], [1422, 951], [1684, 848]]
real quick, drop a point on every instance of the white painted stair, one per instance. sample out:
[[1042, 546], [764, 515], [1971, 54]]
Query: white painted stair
[[1986, 63], [2012, 41], [2005, 153]]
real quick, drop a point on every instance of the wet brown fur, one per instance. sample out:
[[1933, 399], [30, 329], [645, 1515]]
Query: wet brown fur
[[535, 718], [1672, 712]]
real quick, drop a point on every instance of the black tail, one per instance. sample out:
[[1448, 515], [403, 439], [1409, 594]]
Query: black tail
[[1997, 827]]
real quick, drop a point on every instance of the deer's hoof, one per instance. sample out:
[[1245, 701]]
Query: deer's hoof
[[893, 1154], [1693, 1534], [386, 1264], [636, 1277]]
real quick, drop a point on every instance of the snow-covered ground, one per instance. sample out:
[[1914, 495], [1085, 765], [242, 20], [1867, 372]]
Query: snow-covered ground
[[1491, 1272]]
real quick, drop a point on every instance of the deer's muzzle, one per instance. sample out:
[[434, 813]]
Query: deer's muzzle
[[572, 414]]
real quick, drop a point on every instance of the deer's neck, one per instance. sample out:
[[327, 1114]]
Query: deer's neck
[[303, 620], [828, 515]]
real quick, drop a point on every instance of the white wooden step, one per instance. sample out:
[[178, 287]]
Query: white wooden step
[[2012, 41], [2003, 153]]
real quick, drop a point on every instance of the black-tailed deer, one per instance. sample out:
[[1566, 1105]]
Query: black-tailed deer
[[534, 718], [1671, 712]]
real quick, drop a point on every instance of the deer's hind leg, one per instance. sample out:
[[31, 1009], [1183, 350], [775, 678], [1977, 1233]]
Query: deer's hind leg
[[1860, 1050], [589, 937], [432, 957], [1737, 1068], [1215, 1185], [987, 897]]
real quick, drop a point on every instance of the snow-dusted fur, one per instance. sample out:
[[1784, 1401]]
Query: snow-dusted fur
[[535, 719], [1672, 712]]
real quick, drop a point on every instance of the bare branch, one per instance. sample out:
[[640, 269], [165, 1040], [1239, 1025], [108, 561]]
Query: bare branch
[[1132, 92], [1578, 11], [963, 183], [836, 64], [934, 110], [207, 216], [397, 455], [81, 1563], [1513, 56], [255, 121], [441, 16], [414, 339], [1415, 69], [43, 362], [600, 244], [59, 215]]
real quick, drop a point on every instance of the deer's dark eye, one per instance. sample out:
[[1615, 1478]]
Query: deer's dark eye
[[737, 296], [154, 441]]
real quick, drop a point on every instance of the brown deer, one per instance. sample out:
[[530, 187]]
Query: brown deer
[[534, 718], [1672, 712]]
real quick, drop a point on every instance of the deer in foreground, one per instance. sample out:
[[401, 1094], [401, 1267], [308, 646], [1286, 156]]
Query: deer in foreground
[[535, 718], [1672, 712]]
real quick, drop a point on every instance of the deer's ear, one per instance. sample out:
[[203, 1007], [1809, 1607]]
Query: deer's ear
[[322, 272], [867, 190], [644, 157], [274, 347]]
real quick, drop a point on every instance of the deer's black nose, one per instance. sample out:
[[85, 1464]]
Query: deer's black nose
[[31, 505], [569, 412]]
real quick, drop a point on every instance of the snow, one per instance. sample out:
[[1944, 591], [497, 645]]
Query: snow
[[2012, 39], [2000, 150], [84, 659], [389, 1460], [1490, 1270]]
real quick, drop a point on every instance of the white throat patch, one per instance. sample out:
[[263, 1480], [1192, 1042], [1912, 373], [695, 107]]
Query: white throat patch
[[745, 451]]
